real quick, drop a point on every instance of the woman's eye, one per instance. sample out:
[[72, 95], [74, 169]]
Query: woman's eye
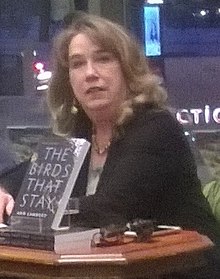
[[75, 64], [104, 58]]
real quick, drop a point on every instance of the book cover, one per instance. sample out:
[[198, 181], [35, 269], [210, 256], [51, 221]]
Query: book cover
[[48, 184]]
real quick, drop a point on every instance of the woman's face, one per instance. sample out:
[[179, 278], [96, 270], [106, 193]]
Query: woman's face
[[95, 76]]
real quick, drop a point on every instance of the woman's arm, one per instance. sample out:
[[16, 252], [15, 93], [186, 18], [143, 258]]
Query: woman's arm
[[12, 179], [10, 183]]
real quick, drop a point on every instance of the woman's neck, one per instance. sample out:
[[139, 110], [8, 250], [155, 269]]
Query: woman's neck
[[102, 136], [103, 131], [101, 141]]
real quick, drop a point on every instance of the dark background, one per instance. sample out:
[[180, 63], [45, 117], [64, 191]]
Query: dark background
[[189, 64]]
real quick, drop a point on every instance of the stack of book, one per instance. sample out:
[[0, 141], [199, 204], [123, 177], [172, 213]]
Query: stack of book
[[58, 241]]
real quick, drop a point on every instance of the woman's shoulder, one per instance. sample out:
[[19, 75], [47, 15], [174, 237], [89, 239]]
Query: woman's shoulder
[[161, 116], [158, 124]]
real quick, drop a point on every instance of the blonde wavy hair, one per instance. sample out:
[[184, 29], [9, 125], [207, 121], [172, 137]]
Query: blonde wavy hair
[[143, 87]]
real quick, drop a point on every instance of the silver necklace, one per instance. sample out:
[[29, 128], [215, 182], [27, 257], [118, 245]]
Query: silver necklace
[[100, 150]]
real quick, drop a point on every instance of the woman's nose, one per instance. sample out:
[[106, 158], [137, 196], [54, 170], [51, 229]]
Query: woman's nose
[[91, 70]]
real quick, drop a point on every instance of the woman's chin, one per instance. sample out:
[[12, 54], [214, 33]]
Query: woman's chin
[[98, 105]]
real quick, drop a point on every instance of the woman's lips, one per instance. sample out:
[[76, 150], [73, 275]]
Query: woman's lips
[[95, 89]]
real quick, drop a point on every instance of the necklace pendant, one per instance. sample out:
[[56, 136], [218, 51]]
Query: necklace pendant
[[99, 150]]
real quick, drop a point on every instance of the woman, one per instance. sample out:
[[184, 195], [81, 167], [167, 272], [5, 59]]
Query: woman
[[140, 164]]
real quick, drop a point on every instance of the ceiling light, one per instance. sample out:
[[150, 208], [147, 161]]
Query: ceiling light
[[154, 1]]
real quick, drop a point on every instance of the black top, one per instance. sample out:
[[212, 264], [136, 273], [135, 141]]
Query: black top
[[149, 173]]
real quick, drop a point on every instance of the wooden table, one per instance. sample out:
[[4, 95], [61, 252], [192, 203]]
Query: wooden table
[[162, 255]]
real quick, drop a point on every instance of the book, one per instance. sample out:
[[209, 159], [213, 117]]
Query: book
[[47, 186], [60, 242], [45, 199]]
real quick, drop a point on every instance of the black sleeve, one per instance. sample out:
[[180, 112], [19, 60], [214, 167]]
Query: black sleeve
[[12, 179]]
